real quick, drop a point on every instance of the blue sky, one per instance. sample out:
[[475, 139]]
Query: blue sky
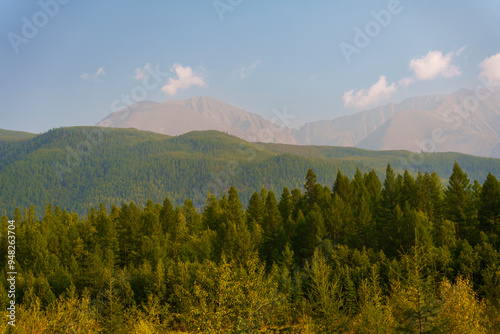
[[83, 58]]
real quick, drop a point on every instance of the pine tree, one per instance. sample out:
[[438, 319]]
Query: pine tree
[[313, 232], [409, 191], [111, 312], [325, 295], [374, 315], [272, 227], [285, 204], [255, 210], [107, 235], [296, 201], [313, 191], [374, 187], [167, 216], [489, 210], [193, 218], [342, 187], [212, 213], [390, 215], [459, 201], [414, 305], [341, 226], [178, 235], [429, 195], [349, 291], [364, 226], [129, 233], [234, 210]]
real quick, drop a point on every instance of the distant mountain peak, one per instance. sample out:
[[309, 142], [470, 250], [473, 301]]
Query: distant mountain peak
[[408, 125], [176, 117]]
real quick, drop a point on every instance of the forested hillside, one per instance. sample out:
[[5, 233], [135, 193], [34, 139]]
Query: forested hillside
[[77, 168], [401, 255]]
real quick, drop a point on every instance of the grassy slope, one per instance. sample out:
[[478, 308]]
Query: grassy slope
[[8, 135]]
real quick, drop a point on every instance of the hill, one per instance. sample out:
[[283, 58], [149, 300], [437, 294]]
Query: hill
[[8, 135], [80, 167]]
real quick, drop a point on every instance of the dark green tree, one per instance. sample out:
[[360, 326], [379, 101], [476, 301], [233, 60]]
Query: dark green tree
[[459, 202]]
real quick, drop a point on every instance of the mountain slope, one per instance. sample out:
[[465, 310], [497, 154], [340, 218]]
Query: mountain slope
[[176, 117], [77, 168], [351, 129], [459, 122]]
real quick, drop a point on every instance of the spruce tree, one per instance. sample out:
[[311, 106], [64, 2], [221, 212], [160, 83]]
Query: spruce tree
[[489, 210], [285, 204], [459, 201]]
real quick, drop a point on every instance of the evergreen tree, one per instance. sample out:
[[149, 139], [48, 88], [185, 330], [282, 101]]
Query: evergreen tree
[[212, 213], [326, 297], [374, 315], [272, 227], [390, 215], [489, 210], [129, 233], [459, 201], [364, 226], [415, 307], [285, 204], [409, 191], [313, 191], [167, 216], [341, 187], [193, 218], [255, 210], [111, 308], [234, 211]]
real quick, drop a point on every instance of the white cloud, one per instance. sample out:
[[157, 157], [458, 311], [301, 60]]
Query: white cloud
[[365, 98], [140, 73], [405, 82], [491, 68], [186, 78], [96, 77], [244, 72], [433, 65]]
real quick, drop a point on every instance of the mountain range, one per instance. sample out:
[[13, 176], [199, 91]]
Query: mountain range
[[464, 122]]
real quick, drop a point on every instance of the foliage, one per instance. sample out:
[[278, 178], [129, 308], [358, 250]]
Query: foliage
[[397, 256]]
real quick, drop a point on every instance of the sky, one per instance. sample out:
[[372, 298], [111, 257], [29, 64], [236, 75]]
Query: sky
[[70, 63]]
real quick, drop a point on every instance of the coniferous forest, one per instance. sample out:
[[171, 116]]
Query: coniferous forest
[[362, 255], [81, 167]]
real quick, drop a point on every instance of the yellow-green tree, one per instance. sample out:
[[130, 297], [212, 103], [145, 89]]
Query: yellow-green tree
[[461, 309]]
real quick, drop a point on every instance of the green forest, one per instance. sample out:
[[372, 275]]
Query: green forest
[[401, 253], [79, 168]]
